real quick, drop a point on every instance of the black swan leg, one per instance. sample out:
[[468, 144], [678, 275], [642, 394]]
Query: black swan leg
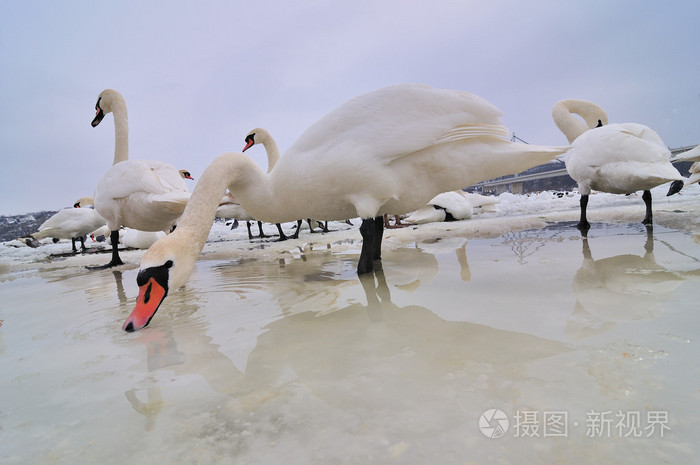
[[646, 196], [583, 223], [114, 237]]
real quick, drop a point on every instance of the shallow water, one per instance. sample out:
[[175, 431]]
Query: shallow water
[[588, 347]]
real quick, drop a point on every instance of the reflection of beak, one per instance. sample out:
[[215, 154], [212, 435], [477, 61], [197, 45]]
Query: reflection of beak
[[249, 144], [151, 294], [98, 117]]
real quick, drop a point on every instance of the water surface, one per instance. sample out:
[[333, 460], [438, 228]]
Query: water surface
[[297, 360]]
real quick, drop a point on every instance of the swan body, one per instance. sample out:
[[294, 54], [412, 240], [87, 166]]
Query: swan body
[[135, 239], [388, 151], [448, 206], [481, 203], [70, 223], [614, 158], [138, 194]]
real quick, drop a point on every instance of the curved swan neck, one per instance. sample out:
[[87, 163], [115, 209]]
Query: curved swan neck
[[121, 130], [228, 170], [273, 153], [263, 137], [572, 127]]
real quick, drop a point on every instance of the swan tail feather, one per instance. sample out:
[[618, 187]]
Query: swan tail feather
[[689, 155], [474, 130]]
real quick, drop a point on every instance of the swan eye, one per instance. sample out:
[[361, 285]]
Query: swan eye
[[147, 295], [97, 105], [158, 273]]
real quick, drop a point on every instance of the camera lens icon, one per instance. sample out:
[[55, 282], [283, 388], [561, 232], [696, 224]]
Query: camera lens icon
[[493, 423]]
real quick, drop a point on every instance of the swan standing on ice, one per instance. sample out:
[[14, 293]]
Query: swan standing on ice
[[71, 223], [615, 158], [262, 136], [388, 151], [139, 194]]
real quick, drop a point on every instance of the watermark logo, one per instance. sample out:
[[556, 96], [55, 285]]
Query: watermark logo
[[494, 423]]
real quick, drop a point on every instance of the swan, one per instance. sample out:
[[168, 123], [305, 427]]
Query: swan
[[448, 206], [616, 158], [139, 194], [71, 223], [481, 203], [229, 207], [388, 151], [263, 136]]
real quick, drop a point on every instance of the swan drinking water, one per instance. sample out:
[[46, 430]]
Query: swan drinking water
[[388, 151], [139, 194], [615, 158]]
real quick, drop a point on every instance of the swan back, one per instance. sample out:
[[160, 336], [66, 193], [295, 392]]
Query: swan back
[[69, 223], [620, 159], [361, 155], [401, 119]]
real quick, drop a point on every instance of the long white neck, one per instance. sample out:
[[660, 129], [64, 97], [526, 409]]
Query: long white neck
[[262, 136], [273, 152], [232, 170], [121, 131], [572, 127]]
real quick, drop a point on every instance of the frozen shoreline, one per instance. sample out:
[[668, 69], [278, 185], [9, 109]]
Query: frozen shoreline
[[515, 213]]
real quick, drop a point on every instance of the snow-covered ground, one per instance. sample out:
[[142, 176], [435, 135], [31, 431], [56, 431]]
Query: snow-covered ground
[[514, 212]]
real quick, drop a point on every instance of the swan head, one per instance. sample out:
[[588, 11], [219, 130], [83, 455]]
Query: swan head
[[166, 265], [186, 174], [105, 102], [255, 136], [83, 202]]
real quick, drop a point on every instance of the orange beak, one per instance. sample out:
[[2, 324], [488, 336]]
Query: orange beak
[[249, 144], [151, 295]]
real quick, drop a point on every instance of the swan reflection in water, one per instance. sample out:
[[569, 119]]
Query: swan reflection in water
[[621, 288], [372, 360]]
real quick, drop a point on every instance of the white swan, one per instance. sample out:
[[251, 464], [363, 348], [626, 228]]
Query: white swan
[[262, 136], [615, 158], [139, 194], [448, 206], [71, 223], [388, 151], [228, 206]]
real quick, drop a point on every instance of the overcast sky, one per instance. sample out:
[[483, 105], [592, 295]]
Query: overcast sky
[[197, 76]]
